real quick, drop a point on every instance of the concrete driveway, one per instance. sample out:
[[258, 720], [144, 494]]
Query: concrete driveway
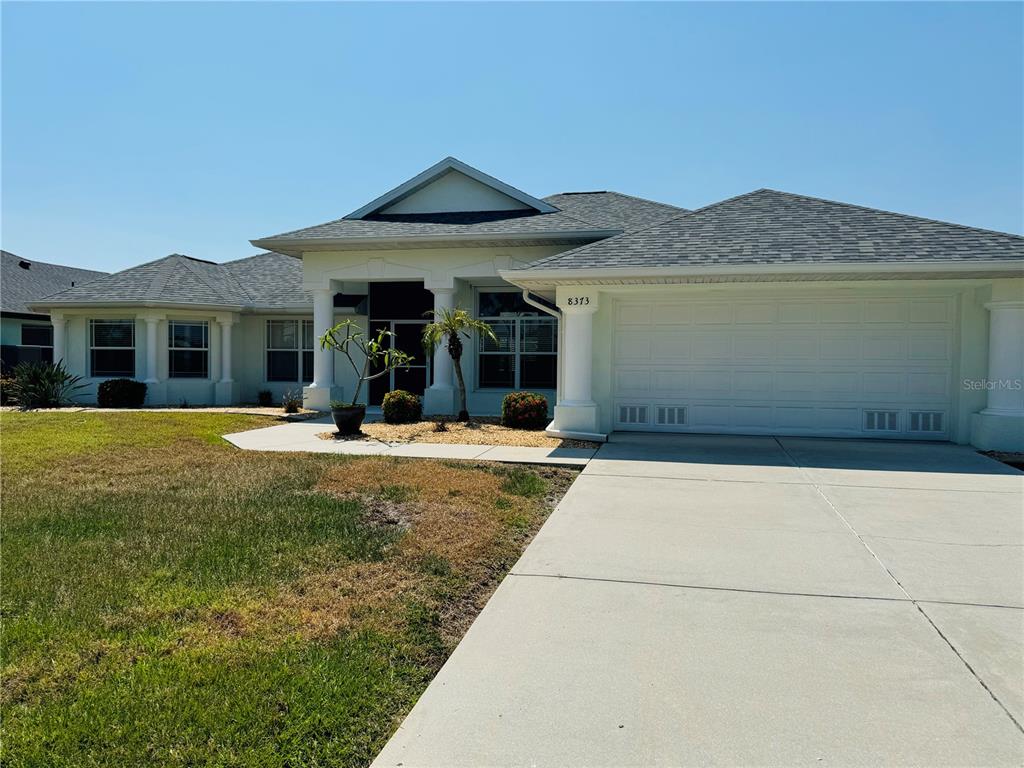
[[715, 600]]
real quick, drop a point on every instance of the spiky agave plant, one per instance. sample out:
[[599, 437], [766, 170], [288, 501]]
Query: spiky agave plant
[[450, 325]]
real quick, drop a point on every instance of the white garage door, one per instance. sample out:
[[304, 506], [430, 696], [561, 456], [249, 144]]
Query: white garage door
[[870, 367]]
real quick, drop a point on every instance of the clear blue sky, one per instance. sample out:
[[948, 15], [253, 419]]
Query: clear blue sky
[[135, 130]]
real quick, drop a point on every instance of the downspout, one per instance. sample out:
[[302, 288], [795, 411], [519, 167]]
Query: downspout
[[557, 314]]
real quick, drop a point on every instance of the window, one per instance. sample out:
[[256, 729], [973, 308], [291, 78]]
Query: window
[[285, 340], [526, 353], [112, 347], [188, 350], [36, 335]]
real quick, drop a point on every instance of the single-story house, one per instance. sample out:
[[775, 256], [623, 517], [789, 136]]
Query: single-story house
[[26, 335], [767, 313]]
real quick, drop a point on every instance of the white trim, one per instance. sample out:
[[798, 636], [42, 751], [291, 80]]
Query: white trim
[[437, 170], [520, 276], [293, 246]]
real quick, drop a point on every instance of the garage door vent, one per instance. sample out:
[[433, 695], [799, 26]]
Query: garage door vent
[[670, 415], [927, 421], [632, 414], [881, 421]]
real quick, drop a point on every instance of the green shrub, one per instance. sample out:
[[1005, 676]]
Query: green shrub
[[401, 407], [524, 410], [121, 393], [6, 382], [292, 401], [42, 385], [265, 398]]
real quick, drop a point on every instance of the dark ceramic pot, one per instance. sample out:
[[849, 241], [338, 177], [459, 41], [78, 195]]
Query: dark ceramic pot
[[349, 418]]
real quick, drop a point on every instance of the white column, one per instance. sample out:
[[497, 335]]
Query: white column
[[576, 414], [578, 355], [323, 319], [225, 350], [151, 350], [59, 329], [1006, 359], [444, 299]]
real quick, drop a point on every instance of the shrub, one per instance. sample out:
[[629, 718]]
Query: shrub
[[524, 410], [401, 407], [121, 393], [42, 385], [265, 398], [6, 382], [292, 401]]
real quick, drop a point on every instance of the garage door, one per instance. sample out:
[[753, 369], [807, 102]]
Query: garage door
[[871, 367]]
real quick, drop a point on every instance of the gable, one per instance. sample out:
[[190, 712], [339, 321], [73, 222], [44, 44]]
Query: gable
[[455, 192]]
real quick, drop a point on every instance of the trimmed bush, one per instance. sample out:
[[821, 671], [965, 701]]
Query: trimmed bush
[[401, 407], [524, 410], [265, 398], [121, 393]]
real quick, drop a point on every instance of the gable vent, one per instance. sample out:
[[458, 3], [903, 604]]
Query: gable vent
[[927, 421], [670, 415], [881, 421], [632, 414]]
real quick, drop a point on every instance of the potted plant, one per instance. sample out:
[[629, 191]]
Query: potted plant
[[345, 337]]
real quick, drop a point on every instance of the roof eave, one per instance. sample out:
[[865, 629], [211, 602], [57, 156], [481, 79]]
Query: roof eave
[[532, 277], [101, 304], [296, 246]]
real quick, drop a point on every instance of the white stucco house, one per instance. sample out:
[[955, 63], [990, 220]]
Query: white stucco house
[[767, 313]]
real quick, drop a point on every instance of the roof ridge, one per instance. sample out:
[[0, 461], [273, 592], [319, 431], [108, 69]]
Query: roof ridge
[[607, 240], [891, 213], [619, 194], [160, 279]]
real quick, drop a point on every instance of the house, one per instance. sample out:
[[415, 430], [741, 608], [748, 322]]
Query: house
[[767, 313], [26, 335]]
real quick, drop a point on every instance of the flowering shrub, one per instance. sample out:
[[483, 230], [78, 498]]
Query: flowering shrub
[[524, 410]]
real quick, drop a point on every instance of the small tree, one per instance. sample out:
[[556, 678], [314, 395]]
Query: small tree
[[449, 325], [347, 334]]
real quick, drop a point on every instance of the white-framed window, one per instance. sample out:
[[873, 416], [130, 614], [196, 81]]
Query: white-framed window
[[290, 346], [188, 349], [526, 353], [111, 348]]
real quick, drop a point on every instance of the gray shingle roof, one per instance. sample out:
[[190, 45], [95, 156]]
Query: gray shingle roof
[[771, 227], [19, 287], [266, 280], [579, 212]]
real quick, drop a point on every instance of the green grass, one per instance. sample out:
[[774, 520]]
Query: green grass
[[170, 600]]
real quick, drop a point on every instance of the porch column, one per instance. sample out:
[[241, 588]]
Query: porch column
[[439, 398], [1000, 426], [152, 323], [1006, 358], [225, 390], [59, 330], [323, 319], [576, 414], [318, 395], [225, 350]]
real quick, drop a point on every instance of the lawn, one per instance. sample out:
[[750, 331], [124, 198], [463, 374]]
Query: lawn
[[170, 600]]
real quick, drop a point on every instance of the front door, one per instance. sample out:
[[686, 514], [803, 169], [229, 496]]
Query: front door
[[406, 339]]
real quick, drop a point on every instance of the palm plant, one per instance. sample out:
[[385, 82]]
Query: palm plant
[[448, 326]]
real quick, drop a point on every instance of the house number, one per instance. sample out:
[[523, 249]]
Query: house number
[[579, 301]]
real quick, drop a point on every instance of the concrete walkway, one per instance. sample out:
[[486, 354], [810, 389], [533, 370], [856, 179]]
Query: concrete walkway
[[302, 437], [699, 600]]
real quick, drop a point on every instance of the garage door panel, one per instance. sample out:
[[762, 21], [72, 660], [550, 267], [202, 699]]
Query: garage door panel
[[867, 367]]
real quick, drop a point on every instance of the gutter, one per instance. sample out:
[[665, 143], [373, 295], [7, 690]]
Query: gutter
[[352, 243], [557, 314]]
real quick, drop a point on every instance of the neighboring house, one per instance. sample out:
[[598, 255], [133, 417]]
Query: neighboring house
[[26, 335], [768, 313]]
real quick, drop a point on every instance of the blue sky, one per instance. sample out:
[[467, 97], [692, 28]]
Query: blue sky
[[131, 131]]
